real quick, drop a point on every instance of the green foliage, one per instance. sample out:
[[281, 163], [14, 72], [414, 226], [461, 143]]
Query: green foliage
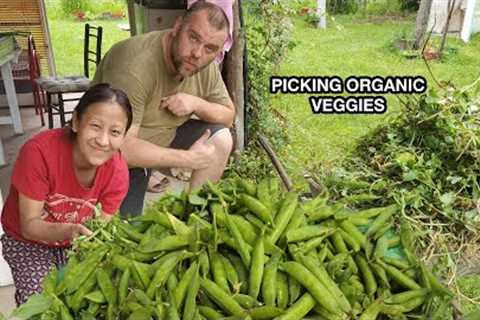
[[342, 6], [387, 7], [409, 5], [70, 7], [268, 31]]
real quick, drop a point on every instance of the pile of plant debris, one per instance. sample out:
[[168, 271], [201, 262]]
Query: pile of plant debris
[[426, 159]]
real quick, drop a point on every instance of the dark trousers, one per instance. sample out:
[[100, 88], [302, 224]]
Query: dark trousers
[[186, 135]]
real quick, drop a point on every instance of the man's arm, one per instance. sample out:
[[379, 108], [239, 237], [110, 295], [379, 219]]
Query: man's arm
[[144, 154], [182, 104]]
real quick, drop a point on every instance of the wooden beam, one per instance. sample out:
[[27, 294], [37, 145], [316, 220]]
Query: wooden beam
[[234, 77]]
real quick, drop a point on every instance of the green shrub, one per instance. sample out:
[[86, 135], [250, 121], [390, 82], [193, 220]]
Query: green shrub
[[69, 7], [342, 6]]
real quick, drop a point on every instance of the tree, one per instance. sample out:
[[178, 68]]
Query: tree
[[422, 22]]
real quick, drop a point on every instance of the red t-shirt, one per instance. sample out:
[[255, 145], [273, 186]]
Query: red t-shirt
[[44, 172]]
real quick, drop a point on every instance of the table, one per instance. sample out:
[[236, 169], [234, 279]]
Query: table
[[9, 53]]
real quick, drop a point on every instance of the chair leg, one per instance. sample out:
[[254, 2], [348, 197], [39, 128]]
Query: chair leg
[[61, 110], [49, 110]]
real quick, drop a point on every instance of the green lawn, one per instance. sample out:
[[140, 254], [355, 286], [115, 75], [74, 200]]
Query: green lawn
[[67, 34], [348, 48], [67, 42]]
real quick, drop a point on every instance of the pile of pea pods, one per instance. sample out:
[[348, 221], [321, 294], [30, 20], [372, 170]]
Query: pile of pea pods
[[244, 250]]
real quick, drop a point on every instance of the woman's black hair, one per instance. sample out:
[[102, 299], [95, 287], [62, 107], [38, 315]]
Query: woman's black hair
[[104, 92]]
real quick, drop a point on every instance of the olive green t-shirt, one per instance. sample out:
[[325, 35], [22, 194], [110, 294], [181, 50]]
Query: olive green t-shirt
[[136, 66]]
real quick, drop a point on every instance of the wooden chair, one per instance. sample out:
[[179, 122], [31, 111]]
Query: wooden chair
[[56, 87], [27, 70]]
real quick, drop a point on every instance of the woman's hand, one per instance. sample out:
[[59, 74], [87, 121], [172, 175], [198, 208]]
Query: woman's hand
[[79, 230]]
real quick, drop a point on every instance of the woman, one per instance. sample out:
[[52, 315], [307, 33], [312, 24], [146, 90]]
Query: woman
[[59, 177]]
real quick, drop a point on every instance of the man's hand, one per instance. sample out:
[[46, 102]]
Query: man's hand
[[79, 230], [202, 152], [180, 104]]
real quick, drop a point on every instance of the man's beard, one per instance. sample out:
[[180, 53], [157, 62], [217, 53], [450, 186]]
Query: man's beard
[[178, 61]]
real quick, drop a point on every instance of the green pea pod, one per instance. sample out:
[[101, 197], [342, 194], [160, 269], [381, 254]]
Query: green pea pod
[[321, 213], [264, 312], [282, 290], [204, 263], [248, 231], [399, 276], [123, 286], [172, 310], [349, 240], [190, 300], [231, 273], [263, 193], [269, 281], [142, 272], [353, 231], [140, 314], [307, 232], [166, 244], [217, 210], [241, 271], [106, 285], [406, 295], [381, 247], [308, 280], [142, 298], [381, 220], [299, 309], [435, 283], [161, 275], [401, 264], [180, 291], [394, 241], [121, 262], [313, 243], [130, 231], [283, 217], [381, 274], [241, 246], [246, 301], [406, 238], [209, 313], [338, 243], [372, 311], [247, 186], [218, 271], [322, 275], [367, 275], [258, 208], [85, 288], [294, 290], [96, 296], [224, 300], [80, 272], [257, 267]]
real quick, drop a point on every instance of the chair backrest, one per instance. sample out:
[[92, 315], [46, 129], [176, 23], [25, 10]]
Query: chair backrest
[[33, 60], [93, 35]]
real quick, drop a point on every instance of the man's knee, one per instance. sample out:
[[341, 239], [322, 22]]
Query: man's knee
[[223, 142]]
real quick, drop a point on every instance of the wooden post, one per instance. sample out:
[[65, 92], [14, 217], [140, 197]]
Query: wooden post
[[234, 77]]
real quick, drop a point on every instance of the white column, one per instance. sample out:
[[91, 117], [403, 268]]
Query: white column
[[468, 20], [322, 14]]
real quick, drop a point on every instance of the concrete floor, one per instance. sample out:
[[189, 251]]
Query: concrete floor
[[7, 302], [12, 143]]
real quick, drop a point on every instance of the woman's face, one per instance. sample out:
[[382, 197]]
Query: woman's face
[[99, 133]]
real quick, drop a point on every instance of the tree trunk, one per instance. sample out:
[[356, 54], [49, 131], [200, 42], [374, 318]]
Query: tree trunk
[[234, 77], [422, 22], [451, 6]]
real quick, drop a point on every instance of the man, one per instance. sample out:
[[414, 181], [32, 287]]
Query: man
[[169, 77]]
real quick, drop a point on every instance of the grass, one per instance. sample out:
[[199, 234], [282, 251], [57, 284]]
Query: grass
[[349, 47], [67, 39]]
